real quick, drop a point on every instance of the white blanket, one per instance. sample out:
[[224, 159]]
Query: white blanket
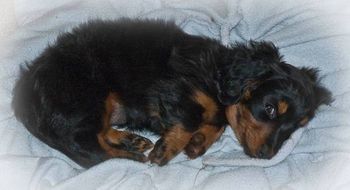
[[312, 33]]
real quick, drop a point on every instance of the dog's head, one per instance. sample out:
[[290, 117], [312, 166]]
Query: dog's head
[[267, 99]]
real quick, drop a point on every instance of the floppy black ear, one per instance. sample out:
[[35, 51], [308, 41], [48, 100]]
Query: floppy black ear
[[312, 73], [321, 94], [250, 61], [237, 78]]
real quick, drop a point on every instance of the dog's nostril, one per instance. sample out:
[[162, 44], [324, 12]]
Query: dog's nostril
[[264, 152], [260, 154]]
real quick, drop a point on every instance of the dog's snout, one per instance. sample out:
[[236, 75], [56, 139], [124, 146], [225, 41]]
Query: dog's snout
[[265, 152]]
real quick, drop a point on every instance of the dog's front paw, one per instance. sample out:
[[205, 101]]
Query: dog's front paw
[[160, 154], [135, 143], [196, 147]]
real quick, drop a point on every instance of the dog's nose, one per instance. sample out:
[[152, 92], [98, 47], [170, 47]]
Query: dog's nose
[[265, 152]]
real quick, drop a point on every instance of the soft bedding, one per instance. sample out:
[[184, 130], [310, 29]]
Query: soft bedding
[[309, 33]]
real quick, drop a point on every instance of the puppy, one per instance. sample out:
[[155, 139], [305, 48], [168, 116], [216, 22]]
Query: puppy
[[150, 75]]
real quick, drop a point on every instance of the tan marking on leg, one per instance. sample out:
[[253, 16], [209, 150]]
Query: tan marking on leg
[[177, 137], [114, 136], [118, 113], [282, 107], [202, 139], [109, 138], [170, 144], [120, 153], [109, 107], [127, 141], [207, 103]]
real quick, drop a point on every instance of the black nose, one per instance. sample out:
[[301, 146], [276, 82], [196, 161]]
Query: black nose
[[265, 152]]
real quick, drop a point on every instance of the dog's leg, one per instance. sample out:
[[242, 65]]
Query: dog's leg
[[202, 139], [170, 144], [207, 134], [120, 144]]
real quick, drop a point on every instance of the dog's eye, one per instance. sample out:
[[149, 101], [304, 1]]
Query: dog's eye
[[270, 111]]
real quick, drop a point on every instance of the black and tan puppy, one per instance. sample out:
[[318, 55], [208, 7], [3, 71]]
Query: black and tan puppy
[[151, 75]]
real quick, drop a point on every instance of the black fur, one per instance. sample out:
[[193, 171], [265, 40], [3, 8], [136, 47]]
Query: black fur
[[153, 66]]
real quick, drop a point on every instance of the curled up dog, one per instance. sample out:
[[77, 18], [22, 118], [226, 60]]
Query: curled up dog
[[150, 75]]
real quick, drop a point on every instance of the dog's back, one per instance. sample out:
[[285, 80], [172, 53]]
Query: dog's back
[[65, 87]]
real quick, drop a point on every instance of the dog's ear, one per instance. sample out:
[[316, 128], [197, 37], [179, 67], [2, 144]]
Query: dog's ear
[[239, 77], [312, 73], [321, 94], [247, 62], [264, 51]]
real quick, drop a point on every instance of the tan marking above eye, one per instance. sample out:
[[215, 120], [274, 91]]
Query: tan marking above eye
[[282, 107], [247, 95], [304, 121]]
